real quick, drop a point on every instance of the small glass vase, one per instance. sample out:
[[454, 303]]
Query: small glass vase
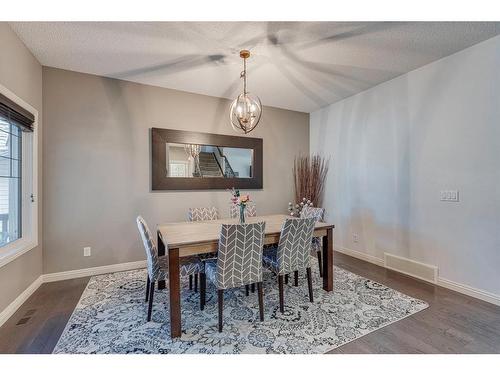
[[242, 214]]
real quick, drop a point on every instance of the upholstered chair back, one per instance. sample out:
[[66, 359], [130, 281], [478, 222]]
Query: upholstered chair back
[[239, 259], [317, 213], [250, 210], [150, 247], [295, 244], [203, 213]]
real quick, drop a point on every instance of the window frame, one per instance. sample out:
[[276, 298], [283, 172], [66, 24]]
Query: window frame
[[180, 162], [13, 138], [29, 186]]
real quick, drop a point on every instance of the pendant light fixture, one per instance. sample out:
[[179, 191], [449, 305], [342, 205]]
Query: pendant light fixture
[[246, 109], [192, 151]]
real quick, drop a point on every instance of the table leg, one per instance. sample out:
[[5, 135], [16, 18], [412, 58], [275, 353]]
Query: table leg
[[328, 260], [174, 292], [161, 252]]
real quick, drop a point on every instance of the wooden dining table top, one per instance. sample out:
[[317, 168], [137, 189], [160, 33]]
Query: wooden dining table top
[[191, 233]]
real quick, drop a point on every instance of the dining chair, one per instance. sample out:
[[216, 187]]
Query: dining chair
[[238, 263], [201, 214], [158, 266], [250, 210], [292, 253], [316, 244]]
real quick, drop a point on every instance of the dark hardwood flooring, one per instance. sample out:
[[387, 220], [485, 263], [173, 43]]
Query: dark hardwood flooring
[[48, 310], [453, 323]]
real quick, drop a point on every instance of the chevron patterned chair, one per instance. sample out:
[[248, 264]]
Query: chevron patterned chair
[[158, 266], [201, 214], [238, 263], [250, 210], [292, 253], [316, 246]]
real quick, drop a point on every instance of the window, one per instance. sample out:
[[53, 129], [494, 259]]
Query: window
[[10, 181], [18, 209], [178, 168]]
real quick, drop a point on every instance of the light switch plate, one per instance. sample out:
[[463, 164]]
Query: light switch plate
[[449, 195], [87, 251]]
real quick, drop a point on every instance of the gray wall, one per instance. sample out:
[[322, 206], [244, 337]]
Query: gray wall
[[397, 145], [21, 73], [97, 168]]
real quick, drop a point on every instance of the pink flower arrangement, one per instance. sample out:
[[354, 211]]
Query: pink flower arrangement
[[239, 199]]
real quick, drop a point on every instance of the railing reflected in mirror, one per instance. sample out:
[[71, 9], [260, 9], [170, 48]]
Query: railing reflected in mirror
[[184, 160]]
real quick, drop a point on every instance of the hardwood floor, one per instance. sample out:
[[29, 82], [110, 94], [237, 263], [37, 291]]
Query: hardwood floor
[[48, 310], [453, 323]]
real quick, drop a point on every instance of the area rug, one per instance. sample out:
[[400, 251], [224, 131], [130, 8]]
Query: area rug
[[111, 317]]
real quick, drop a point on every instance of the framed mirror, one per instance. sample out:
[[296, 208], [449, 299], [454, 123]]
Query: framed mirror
[[183, 160]]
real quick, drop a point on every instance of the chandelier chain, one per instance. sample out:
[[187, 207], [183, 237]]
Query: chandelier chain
[[245, 75]]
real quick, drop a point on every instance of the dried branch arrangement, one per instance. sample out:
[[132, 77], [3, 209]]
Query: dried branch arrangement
[[309, 174]]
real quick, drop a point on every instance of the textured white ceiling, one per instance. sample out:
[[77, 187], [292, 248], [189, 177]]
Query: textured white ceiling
[[294, 65]]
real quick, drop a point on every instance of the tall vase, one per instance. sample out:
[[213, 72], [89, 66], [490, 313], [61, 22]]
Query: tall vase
[[242, 214]]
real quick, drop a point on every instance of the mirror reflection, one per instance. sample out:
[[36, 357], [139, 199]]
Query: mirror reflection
[[192, 160]]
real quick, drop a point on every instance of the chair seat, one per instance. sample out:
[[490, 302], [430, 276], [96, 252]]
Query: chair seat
[[316, 245], [270, 258], [211, 272], [188, 266]]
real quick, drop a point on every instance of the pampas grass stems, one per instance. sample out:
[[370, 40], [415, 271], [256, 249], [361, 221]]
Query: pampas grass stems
[[309, 174]]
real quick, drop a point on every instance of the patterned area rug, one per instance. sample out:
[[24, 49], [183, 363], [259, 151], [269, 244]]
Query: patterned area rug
[[111, 317]]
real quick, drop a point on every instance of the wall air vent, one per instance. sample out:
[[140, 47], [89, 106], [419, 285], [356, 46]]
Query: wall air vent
[[410, 267]]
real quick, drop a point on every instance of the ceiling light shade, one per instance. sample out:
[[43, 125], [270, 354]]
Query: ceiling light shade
[[246, 109]]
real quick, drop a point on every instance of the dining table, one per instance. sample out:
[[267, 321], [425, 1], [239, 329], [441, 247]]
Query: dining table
[[183, 239]]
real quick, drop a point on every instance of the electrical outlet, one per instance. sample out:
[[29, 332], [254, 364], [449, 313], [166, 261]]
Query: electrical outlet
[[449, 195], [355, 238], [87, 251]]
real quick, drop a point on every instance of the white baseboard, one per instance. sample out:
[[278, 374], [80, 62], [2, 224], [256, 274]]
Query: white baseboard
[[74, 274], [410, 267], [361, 255], [58, 276], [448, 284], [470, 291], [16, 304]]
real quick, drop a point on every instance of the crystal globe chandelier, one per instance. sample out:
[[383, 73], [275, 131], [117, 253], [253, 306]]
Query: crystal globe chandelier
[[192, 151], [246, 109]]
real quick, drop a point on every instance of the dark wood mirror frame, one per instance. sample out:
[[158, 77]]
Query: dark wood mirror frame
[[159, 180]]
